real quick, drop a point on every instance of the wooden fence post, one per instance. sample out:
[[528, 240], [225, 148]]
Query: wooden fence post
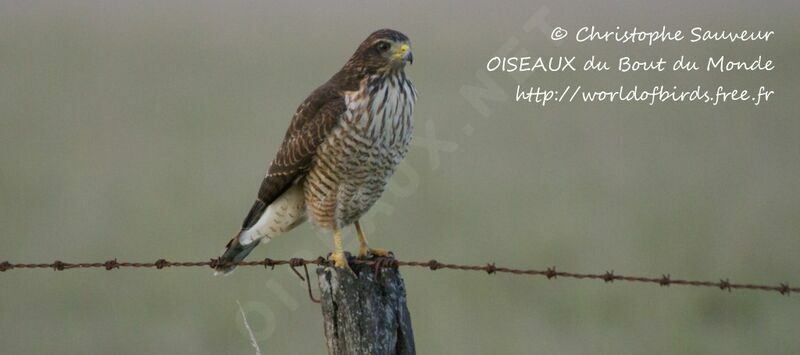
[[365, 314]]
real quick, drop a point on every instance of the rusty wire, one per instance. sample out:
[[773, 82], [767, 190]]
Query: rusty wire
[[377, 263]]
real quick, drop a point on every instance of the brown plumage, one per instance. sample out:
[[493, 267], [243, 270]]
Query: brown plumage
[[343, 144]]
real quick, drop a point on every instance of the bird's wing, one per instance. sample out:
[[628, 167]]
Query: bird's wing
[[314, 119]]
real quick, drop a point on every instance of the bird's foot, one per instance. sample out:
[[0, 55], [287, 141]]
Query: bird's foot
[[365, 251], [340, 260]]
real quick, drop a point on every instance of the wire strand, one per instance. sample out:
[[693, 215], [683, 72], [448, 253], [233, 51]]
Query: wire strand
[[491, 268]]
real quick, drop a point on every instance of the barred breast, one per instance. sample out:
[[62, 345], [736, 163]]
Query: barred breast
[[351, 168]]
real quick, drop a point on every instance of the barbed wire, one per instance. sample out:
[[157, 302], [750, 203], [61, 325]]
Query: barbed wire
[[379, 263]]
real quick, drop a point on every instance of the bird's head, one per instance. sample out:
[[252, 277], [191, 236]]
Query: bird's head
[[384, 51]]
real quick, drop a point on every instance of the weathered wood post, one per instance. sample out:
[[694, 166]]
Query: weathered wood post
[[365, 314]]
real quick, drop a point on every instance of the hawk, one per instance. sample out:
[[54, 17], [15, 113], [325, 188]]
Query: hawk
[[342, 146]]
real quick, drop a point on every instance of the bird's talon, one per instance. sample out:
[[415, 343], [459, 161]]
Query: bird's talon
[[380, 252], [340, 261], [364, 252]]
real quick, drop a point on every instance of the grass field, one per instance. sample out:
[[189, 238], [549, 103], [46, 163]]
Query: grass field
[[141, 130]]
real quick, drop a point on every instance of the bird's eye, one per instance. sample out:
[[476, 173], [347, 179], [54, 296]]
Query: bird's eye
[[383, 46]]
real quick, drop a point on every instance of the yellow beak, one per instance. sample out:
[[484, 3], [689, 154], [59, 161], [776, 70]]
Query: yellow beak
[[404, 53]]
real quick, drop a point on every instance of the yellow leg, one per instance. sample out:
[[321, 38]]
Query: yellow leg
[[338, 257], [364, 249]]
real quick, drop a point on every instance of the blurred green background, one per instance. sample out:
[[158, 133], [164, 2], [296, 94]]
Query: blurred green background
[[141, 130]]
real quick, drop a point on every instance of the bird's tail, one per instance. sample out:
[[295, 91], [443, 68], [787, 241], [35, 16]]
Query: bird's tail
[[234, 252]]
